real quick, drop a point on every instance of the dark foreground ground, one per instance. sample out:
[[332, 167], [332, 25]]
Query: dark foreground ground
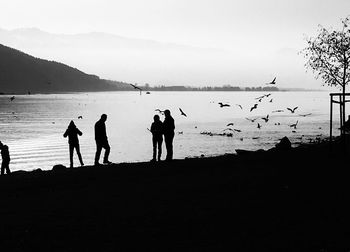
[[271, 201]]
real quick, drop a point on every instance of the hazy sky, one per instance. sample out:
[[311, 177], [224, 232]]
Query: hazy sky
[[249, 27]]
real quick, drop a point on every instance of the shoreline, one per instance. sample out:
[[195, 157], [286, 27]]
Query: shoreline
[[263, 200]]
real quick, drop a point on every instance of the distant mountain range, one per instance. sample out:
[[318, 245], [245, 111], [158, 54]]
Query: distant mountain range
[[22, 73]]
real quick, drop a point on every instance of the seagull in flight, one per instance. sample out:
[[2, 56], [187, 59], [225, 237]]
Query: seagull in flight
[[306, 114], [239, 105], [237, 130], [228, 129], [271, 100], [273, 82], [278, 110], [230, 124], [259, 126], [292, 110], [294, 125], [80, 117], [12, 98], [136, 87], [223, 105], [252, 120], [182, 113], [254, 107], [266, 119]]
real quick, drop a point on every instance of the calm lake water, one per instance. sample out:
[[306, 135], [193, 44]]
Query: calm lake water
[[33, 125]]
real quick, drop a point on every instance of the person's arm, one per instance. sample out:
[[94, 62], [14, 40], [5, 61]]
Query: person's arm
[[79, 132], [65, 133]]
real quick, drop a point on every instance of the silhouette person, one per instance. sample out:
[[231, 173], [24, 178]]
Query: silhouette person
[[157, 137], [101, 140], [168, 131], [72, 132], [5, 155]]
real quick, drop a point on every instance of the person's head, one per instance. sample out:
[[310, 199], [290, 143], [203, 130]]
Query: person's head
[[103, 117], [156, 118], [167, 112], [71, 124]]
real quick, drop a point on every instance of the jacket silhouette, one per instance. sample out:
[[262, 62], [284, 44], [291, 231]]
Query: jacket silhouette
[[72, 132], [157, 137], [168, 131], [5, 155], [101, 140]]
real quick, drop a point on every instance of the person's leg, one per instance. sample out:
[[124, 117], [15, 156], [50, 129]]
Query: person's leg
[[160, 141], [2, 167], [7, 167], [77, 147], [98, 153], [71, 149], [170, 147], [154, 143], [107, 150]]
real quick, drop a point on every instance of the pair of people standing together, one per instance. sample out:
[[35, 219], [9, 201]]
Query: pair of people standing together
[[100, 137], [158, 129]]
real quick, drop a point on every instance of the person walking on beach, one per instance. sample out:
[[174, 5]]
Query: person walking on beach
[[72, 132], [168, 131], [101, 140], [5, 155], [157, 137]]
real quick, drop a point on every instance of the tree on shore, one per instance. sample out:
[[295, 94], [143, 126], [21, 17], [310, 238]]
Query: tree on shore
[[328, 56]]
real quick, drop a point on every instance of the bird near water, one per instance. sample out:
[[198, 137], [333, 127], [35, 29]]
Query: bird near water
[[254, 107], [292, 110], [136, 87], [273, 82], [224, 104], [266, 119], [12, 98], [182, 113], [229, 124], [252, 120]]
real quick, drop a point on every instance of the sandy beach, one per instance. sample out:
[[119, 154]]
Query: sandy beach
[[294, 200]]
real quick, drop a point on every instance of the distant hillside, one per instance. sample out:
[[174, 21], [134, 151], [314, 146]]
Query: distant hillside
[[20, 73]]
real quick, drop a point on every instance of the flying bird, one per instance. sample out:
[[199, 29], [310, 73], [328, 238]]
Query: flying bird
[[230, 124], [182, 113], [259, 126], [277, 111], [239, 106], [223, 104], [271, 100], [273, 82], [228, 129], [306, 114], [80, 117], [237, 130], [252, 120], [254, 107], [266, 119], [292, 110], [294, 125], [136, 87], [12, 98]]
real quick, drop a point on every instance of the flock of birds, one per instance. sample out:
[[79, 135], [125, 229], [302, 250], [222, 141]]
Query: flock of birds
[[260, 121]]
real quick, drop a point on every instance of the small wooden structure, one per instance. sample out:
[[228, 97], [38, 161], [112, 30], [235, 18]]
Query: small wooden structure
[[338, 98]]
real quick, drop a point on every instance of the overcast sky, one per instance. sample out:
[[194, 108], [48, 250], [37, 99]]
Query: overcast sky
[[249, 27]]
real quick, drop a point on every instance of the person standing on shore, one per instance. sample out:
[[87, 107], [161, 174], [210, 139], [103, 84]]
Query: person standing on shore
[[157, 137], [168, 127], [72, 132], [5, 155], [101, 140]]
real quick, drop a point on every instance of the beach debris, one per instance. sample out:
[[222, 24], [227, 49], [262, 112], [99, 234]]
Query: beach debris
[[292, 110], [182, 113], [148, 92], [224, 104], [59, 167]]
